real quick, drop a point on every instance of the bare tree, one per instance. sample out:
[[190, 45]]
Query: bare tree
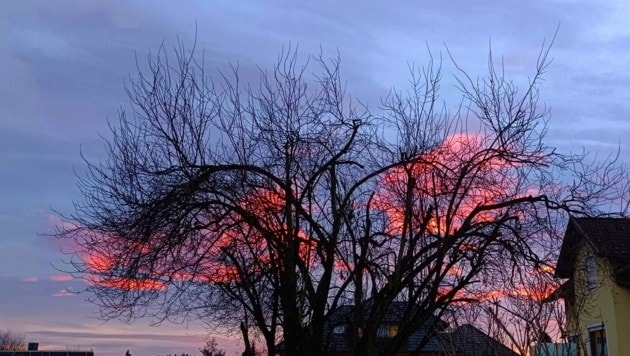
[[273, 204], [211, 348], [12, 341], [519, 313], [525, 311]]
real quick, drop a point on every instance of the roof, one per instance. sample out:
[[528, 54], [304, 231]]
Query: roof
[[344, 315], [565, 290], [608, 238], [339, 317], [467, 340], [431, 344]]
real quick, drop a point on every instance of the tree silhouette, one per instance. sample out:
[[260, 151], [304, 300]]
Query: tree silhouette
[[277, 202], [12, 341], [211, 349]]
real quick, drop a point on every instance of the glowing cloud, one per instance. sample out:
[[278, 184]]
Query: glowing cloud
[[441, 179], [61, 278]]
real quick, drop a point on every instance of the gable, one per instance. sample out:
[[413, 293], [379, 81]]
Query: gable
[[608, 238], [570, 246]]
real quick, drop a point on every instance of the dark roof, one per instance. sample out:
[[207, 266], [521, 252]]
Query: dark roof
[[566, 290], [432, 342], [339, 317], [467, 340], [344, 315], [608, 238]]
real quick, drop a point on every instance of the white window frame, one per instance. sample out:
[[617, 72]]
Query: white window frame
[[593, 328]]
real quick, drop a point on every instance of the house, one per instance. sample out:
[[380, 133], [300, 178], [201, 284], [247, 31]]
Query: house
[[465, 340], [595, 260]]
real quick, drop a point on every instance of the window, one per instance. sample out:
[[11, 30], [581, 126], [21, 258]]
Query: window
[[387, 330], [382, 331], [339, 329], [591, 272], [597, 341], [573, 342]]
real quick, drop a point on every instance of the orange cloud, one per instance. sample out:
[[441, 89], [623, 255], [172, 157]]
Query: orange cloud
[[61, 278], [99, 263], [546, 269], [537, 293], [130, 283], [454, 178], [435, 174]]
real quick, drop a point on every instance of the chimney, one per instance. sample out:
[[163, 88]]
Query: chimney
[[32, 346]]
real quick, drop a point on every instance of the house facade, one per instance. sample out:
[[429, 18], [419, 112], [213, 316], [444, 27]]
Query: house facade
[[595, 260]]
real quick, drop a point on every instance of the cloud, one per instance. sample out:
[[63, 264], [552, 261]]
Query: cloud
[[64, 293], [63, 65], [122, 336], [61, 278]]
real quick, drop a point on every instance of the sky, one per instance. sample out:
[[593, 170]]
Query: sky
[[63, 65]]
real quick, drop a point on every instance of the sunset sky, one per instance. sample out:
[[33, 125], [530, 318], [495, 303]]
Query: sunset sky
[[63, 65]]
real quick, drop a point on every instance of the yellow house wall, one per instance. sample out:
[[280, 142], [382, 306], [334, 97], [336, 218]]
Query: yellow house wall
[[608, 304], [621, 301]]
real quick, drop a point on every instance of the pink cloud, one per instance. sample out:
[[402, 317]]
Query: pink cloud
[[30, 279], [60, 278], [55, 221], [63, 244], [63, 293]]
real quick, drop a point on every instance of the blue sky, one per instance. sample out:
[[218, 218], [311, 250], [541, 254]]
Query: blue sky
[[63, 65]]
